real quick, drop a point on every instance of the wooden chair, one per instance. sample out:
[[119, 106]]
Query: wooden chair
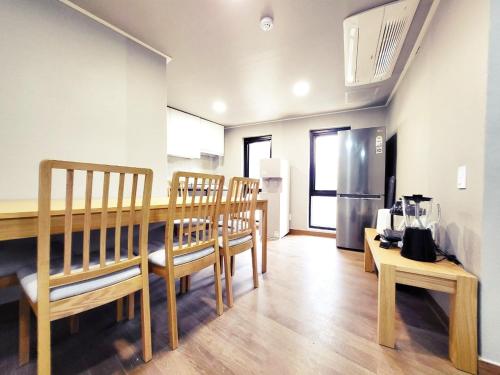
[[60, 287], [238, 228], [200, 249]]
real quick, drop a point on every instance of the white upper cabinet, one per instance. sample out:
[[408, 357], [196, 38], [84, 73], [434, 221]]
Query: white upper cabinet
[[212, 138], [188, 136], [181, 134]]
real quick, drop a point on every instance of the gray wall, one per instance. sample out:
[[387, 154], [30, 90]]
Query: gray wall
[[74, 89], [439, 114], [490, 256], [290, 141]]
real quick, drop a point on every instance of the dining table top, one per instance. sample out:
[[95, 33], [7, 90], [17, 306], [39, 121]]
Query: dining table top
[[24, 208]]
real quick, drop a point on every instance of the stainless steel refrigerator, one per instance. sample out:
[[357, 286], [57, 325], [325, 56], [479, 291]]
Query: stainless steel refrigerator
[[361, 184]]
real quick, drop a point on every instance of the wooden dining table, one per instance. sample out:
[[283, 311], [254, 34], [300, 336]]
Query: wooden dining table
[[19, 218]]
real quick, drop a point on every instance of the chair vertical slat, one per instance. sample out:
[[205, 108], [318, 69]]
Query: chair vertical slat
[[131, 220], [207, 236], [201, 221], [245, 207], [104, 220], [191, 211], [118, 225], [87, 220], [231, 207], [240, 203], [213, 200], [183, 213], [68, 221]]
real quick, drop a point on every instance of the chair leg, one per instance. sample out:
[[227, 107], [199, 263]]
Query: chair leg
[[254, 265], [219, 306], [74, 324], [233, 264], [183, 285], [131, 306], [119, 310], [24, 330], [221, 262], [172, 312], [229, 281], [147, 352], [43, 343]]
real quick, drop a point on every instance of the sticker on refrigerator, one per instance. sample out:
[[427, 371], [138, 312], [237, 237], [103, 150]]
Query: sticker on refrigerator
[[379, 144]]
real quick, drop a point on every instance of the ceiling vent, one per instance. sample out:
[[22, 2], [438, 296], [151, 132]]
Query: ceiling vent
[[373, 41]]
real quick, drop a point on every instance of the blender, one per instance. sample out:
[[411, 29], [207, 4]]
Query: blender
[[418, 238]]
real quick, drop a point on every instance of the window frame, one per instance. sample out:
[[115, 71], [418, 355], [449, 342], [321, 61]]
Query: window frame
[[246, 150], [313, 134]]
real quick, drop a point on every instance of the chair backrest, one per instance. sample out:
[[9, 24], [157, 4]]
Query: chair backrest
[[196, 213], [96, 214], [241, 202]]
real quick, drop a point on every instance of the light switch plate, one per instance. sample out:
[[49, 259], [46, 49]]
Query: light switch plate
[[462, 177]]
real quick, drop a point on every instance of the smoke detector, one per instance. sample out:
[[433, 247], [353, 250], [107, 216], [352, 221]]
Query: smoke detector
[[266, 23]]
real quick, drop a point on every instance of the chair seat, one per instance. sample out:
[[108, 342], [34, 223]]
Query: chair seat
[[236, 241], [28, 278], [16, 254], [158, 257]]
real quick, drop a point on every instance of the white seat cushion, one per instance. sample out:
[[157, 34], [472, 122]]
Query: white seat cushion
[[16, 254], [158, 257], [236, 241], [28, 278], [194, 221]]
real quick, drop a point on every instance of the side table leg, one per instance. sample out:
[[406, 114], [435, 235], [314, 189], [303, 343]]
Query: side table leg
[[463, 325], [386, 305]]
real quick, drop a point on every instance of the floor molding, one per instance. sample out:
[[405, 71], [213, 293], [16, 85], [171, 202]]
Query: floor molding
[[487, 368], [303, 232], [484, 367], [438, 310]]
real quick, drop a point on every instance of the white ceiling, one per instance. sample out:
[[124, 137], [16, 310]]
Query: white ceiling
[[220, 53]]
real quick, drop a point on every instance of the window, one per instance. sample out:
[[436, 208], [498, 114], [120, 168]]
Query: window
[[323, 178], [255, 149]]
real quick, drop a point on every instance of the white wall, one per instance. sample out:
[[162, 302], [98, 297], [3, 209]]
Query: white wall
[[74, 89], [290, 140], [490, 255]]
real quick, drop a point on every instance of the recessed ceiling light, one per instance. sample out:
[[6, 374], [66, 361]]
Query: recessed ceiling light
[[301, 88], [219, 106]]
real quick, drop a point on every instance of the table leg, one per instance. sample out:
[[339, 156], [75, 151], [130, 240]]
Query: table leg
[[369, 264], [264, 237], [386, 305], [463, 325]]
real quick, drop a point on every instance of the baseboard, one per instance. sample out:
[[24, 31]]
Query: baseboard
[[484, 367], [303, 232], [488, 368], [437, 309]]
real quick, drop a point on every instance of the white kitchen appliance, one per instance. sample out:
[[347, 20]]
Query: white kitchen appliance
[[275, 176]]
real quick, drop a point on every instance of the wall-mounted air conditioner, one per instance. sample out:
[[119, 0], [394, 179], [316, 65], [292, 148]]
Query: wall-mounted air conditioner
[[373, 41]]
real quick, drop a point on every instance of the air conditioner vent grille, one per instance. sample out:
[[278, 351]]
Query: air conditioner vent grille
[[373, 40], [392, 36]]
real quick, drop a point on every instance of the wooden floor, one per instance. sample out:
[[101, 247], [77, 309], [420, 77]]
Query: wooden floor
[[314, 313]]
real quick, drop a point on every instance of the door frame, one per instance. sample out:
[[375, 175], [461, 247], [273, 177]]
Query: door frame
[[313, 134], [246, 150]]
